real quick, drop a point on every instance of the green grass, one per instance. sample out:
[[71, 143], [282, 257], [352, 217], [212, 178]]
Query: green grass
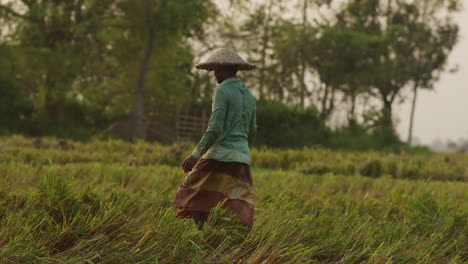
[[111, 202]]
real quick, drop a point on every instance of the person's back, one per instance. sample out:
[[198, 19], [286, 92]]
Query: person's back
[[239, 125]]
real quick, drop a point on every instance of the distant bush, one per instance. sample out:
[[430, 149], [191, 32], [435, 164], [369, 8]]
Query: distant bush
[[13, 104], [372, 169], [282, 126], [356, 137]]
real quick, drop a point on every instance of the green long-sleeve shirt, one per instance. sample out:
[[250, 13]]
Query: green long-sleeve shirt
[[232, 126]]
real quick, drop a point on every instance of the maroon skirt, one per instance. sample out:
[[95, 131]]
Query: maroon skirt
[[212, 183]]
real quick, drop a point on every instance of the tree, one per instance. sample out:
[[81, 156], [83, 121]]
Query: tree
[[286, 70], [57, 38], [160, 25], [14, 105], [340, 57], [391, 34], [304, 43], [435, 36], [255, 35]]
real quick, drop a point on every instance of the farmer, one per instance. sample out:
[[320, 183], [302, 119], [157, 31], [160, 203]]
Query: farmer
[[222, 176]]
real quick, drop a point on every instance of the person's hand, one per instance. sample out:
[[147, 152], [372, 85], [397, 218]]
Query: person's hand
[[188, 164]]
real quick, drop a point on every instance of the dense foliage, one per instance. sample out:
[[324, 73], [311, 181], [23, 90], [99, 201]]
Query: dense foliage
[[111, 202], [281, 126]]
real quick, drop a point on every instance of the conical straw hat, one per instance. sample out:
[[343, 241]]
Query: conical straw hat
[[225, 57]]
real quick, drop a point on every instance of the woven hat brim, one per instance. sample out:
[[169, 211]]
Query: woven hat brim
[[212, 66]]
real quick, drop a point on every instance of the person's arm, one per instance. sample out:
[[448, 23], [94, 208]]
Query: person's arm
[[215, 125], [253, 126]]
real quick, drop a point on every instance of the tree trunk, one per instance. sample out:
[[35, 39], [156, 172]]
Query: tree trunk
[[331, 104], [303, 68], [328, 102], [413, 108], [138, 109], [54, 105], [386, 130], [265, 40], [387, 115], [324, 100], [351, 115]]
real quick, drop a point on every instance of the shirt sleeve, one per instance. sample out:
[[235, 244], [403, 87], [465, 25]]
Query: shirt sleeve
[[215, 124], [253, 126]]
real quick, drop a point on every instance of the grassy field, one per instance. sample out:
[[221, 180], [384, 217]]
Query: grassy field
[[111, 202]]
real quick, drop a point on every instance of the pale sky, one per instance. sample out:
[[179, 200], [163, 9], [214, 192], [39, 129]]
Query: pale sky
[[443, 113]]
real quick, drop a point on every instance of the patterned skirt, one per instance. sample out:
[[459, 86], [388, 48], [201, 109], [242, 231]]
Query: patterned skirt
[[212, 182]]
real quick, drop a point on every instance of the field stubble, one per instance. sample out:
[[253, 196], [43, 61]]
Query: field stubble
[[111, 202]]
